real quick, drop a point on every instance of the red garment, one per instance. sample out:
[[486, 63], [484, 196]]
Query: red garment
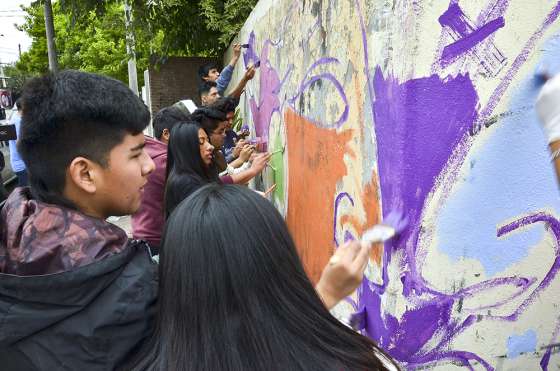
[[226, 179], [148, 221]]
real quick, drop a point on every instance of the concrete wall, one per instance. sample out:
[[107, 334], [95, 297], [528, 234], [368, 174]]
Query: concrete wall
[[426, 106]]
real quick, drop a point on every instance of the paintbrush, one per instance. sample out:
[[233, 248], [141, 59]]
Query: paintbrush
[[391, 226], [395, 222], [267, 192]]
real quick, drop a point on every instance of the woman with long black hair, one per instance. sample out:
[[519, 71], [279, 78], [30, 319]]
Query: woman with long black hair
[[234, 295], [190, 163]]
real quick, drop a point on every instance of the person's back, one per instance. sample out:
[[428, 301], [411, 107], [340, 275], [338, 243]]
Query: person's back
[[147, 223], [253, 307], [75, 293]]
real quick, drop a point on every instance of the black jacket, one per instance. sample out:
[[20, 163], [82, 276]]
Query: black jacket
[[90, 318], [75, 293]]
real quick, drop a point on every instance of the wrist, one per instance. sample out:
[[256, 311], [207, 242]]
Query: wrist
[[326, 296]]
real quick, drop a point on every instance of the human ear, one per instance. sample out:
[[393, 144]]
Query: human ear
[[165, 135], [82, 174]]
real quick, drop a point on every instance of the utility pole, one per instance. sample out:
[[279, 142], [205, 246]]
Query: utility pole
[[49, 27], [19, 50], [132, 76]]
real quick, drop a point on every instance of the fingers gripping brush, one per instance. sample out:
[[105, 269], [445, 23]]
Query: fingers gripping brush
[[392, 226]]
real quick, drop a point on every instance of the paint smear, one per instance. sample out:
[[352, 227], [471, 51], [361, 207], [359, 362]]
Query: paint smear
[[519, 344], [316, 163], [277, 161], [467, 36], [371, 207]]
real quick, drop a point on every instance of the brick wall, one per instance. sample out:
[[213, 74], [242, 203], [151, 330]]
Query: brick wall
[[175, 80]]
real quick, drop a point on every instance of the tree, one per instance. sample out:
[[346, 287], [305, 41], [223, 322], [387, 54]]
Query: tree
[[189, 27], [96, 43], [90, 34]]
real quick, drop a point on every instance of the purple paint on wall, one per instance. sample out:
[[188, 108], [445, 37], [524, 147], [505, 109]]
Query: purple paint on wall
[[408, 117], [308, 81], [515, 66], [250, 56], [468, 42], [468, 37], [269, 86]]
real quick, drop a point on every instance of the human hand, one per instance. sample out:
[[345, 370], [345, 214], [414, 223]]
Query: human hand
[[246, 152], [344, 272], [260, 162], [548, 108], [238, 147], [249, 73], [236, 50]]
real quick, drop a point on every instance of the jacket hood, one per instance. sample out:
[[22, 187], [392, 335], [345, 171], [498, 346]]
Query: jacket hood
[[37, 238], [30, 304]]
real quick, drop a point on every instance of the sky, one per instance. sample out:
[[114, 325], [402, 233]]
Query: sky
[[10, 13]]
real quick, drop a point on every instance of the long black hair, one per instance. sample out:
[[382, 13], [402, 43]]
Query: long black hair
[[233, 294], [186, 171]]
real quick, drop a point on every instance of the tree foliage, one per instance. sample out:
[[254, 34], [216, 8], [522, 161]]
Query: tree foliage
[[94, 43], [90, 34]]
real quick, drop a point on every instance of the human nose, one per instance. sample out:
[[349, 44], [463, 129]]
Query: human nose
[[209, 146], [148, 165]]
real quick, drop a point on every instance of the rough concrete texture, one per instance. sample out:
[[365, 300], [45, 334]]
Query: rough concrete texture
[[428, 107]]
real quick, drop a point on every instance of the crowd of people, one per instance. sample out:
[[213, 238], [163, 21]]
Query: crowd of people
[[211, 279]]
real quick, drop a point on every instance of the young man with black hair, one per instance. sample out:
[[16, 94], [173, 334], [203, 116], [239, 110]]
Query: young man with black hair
[[208, 93], [75, 292], [147, 222], [209, 71]]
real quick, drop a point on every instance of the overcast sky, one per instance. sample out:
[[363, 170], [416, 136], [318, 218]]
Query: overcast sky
[[11, 13]]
